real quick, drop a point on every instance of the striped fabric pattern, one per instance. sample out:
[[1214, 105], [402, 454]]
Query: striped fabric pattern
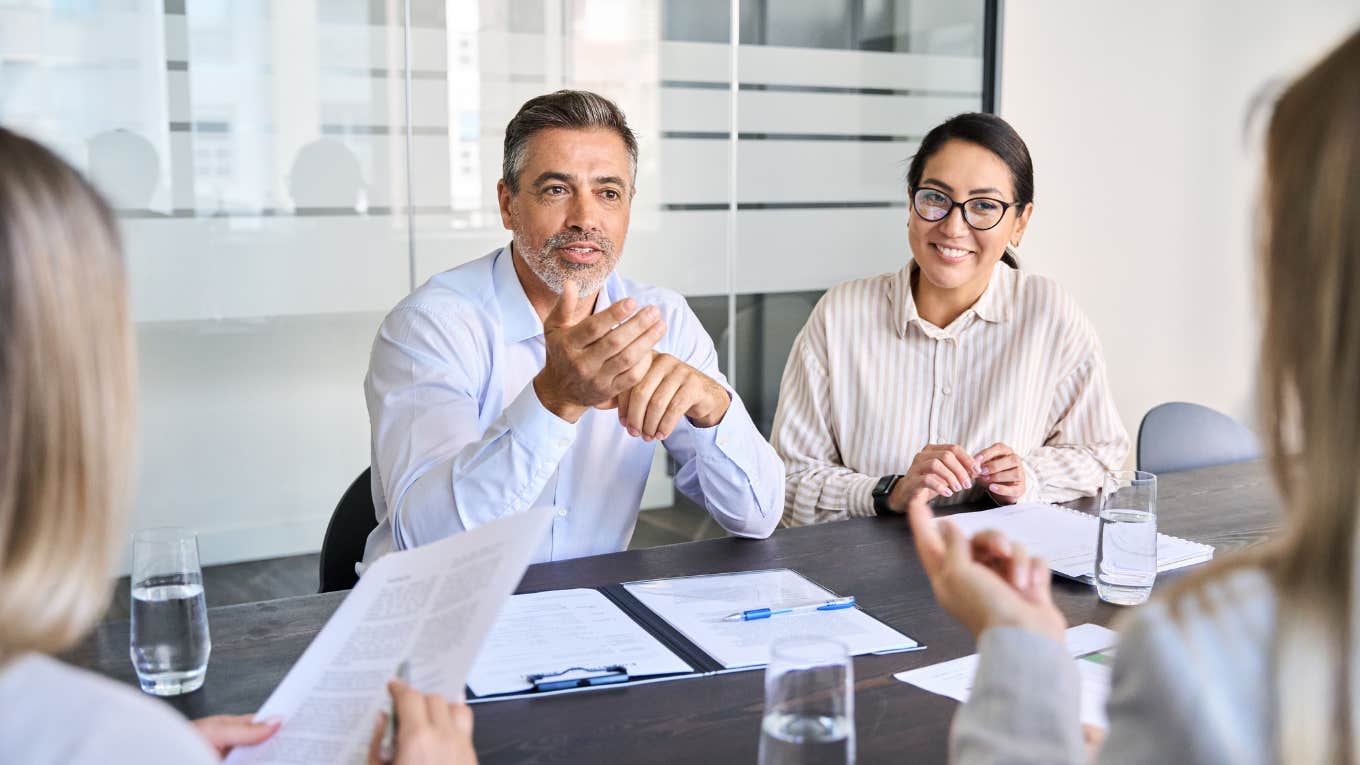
[[869, 383]]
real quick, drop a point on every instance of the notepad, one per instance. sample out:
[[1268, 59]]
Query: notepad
[[1067, 538]]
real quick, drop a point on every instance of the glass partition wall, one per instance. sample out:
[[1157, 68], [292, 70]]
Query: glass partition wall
[[285, 172]]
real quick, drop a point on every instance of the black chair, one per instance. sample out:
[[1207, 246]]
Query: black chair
[[1180, 436], [346, 535]]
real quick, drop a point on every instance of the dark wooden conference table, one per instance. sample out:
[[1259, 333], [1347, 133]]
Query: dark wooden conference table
[[714, 719]]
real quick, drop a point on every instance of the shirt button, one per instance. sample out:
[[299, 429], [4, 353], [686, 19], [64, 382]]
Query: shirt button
[[561, 512], [947, 390]]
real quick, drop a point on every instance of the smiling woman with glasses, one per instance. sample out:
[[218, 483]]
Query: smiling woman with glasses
[[959, 373]]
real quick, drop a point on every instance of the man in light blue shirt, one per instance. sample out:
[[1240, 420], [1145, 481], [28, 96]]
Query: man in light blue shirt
[[535, 375]]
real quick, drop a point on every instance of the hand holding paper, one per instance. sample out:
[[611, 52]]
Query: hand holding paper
[[434, 604]]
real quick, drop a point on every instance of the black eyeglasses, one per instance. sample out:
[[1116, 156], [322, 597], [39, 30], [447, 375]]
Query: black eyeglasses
[[981, 213]]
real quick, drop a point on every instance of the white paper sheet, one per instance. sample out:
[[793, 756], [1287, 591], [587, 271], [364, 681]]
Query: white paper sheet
[[432, 605], [1067, 538], [1091, 642], [544, 632], [696, 605]]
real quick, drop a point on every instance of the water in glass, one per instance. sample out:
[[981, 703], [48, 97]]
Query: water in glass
[[170, 643], [809, 704], [1126, 556], [793, 739]]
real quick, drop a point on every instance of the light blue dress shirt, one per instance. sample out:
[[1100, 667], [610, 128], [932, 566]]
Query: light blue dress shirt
[[461, 439]]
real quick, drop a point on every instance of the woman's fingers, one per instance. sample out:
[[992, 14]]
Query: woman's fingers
[[1041, 581], [1013, 475], [410, 704], [438, 710], [1008, 461], [1008, 490], [948, 479], [375, 743], [225, 732], [937, 485], [1018, 570], [960, 477], [955, 543], [462, 717], [925, 531], [992, 452]]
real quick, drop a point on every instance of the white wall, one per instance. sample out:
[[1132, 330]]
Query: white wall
[[1136, 115]]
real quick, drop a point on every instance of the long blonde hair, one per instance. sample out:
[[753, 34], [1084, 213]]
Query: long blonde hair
[[1310, 406], [66, 399]]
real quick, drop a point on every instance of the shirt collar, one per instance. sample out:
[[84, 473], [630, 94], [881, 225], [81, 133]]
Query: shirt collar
[[995, 305], [519, 320]]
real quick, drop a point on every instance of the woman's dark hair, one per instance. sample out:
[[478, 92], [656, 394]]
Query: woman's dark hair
[[991, 133]]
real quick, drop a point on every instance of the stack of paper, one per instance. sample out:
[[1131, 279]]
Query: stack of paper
[[1067, 538], [1091, 645]]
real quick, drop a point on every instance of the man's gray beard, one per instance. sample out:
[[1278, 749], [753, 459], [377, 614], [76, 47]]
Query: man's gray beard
[[554, 272]]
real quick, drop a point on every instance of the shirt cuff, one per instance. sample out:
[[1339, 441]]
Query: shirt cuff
[[1034, 487], [859, 496], [539, 430], [730, 437]]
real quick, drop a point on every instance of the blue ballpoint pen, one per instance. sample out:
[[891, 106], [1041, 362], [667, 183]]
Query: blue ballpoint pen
[[835, 604]]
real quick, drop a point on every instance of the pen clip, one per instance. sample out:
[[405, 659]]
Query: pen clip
[[578, 677]]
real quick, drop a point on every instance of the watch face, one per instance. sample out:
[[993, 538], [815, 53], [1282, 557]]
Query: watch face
[[883, 486]]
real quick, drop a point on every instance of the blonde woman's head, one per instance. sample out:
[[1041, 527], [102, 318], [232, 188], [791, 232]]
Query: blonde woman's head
[[1310, 376], [66, 394]]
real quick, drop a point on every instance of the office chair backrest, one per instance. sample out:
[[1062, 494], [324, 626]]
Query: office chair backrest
[[1179, 436], [346, 535]]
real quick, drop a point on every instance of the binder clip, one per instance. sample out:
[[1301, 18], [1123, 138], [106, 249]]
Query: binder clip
[[578, 677]]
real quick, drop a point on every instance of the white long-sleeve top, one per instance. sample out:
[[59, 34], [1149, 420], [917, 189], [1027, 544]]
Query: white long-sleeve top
[[1189, 687]]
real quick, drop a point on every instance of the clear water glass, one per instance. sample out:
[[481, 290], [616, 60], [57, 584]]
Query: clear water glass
[[169, 641], [809, 704], [1126, 553]]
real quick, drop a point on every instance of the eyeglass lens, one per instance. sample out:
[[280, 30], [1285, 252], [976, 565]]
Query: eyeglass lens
[[980, 212]]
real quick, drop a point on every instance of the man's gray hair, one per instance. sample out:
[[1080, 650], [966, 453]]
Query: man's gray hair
[[575, 109]]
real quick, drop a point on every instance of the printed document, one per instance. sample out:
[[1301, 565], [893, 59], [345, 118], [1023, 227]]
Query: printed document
[[1091, 645], [549, 632], [432, 605], [697, 605]]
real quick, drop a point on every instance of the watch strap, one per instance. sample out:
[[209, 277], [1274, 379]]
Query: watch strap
[[881, 491]]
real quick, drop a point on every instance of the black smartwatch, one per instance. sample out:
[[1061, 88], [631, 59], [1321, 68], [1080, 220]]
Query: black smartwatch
[[882, 489]]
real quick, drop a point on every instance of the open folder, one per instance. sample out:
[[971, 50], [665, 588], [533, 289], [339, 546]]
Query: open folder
[[659, 629]]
